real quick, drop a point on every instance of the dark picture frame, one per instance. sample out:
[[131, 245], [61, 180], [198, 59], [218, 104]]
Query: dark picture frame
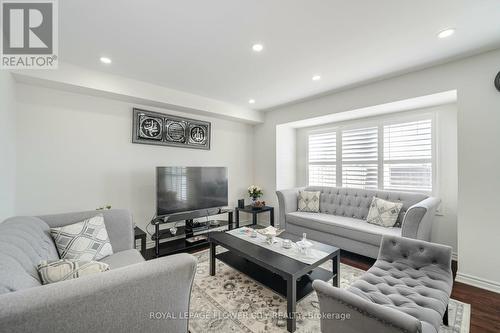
[[155, 128]]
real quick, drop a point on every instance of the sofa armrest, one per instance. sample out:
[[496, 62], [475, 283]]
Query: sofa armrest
[[418, 219], [126, 299], [345, 312], [287, 202]]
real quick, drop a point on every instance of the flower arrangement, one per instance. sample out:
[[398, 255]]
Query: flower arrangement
[[255, 192]]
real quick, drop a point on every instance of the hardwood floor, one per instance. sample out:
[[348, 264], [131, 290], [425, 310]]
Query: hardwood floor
[[485, 305]]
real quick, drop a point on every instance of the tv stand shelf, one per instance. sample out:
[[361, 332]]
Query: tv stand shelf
[[178, 243], [181, 230]]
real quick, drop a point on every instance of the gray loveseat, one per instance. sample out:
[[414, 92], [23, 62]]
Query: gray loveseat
[[406, 290], [342, 218], [127, 298]]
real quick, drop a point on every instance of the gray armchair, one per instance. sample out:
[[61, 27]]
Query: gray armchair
[[406, 290], [125, 299]]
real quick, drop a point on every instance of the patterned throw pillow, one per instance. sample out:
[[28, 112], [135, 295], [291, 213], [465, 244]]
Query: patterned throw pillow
[[65, 269], [383, 213], [87, 240], [308, 201]]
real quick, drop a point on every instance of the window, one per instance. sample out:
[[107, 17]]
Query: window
[[393, 156], [322, 159], [408, 156], [360, 158]]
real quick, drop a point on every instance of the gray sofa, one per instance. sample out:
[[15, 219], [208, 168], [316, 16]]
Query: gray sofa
[[342, 218], [406, 290], [123, 299]]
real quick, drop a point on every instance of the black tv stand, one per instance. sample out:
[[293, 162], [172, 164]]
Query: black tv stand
[[178, 243]]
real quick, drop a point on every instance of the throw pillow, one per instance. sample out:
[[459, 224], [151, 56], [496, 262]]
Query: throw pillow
[[65, 269], [383, 213], [87, 240], [308, 201]]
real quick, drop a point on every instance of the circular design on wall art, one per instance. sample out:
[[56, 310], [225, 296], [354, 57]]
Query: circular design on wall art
[[176, 131], [197, 134], [497, 81], [150, 128]]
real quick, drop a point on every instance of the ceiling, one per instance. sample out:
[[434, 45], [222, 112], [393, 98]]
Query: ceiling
[[205, 47]]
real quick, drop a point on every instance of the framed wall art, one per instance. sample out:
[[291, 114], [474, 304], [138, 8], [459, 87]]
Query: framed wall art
[[167, 130]]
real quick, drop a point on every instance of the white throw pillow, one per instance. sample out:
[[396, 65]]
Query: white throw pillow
[[87, 240], [67, 269], [383, 213], [308, 201]]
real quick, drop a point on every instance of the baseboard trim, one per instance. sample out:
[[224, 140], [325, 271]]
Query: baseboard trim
[[478, 282]]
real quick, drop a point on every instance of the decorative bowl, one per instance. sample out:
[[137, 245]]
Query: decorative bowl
[[270, 232]]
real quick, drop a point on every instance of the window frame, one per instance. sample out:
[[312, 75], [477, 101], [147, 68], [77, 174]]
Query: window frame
[[380, 122]]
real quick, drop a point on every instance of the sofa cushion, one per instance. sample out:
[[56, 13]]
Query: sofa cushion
[[86, 240], [353, 202], [123, 258], [342, 226], [383, 213], [308, 201], [67, 269], [24, 243], [119, 225]]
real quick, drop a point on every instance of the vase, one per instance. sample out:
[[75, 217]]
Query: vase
[[254, 204]]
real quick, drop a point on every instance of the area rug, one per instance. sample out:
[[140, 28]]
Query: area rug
[[232, 302]]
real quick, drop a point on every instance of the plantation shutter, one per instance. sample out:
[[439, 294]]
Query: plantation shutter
[[322, 150], [408, 156], [360, 158]]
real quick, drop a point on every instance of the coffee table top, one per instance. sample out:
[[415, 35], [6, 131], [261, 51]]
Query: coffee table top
[[273, 261]]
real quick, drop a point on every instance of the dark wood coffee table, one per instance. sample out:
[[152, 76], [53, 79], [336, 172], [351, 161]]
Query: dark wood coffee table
[[285, 275]]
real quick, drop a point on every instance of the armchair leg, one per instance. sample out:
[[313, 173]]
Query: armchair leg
[[445, 317]]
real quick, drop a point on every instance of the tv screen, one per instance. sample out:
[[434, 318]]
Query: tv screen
[[182, 189]]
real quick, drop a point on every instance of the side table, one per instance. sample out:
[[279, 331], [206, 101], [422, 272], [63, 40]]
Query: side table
[[251, 210], [141, 235]]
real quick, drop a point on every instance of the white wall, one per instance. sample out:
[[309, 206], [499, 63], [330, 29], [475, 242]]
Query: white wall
[[285, 157], [75, 153], [478, 129], [445, 227], [7, 145]]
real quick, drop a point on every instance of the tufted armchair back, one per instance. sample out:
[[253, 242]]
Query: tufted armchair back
[[417, 254], [352, 202]]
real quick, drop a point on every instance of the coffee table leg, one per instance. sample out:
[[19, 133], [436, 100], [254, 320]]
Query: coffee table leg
[[212, 259], [291, 298], [336, 270]]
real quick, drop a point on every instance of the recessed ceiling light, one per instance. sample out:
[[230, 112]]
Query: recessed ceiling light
[[446, 33], [105, 60], [257, 47], [251, 101], [316, 78]]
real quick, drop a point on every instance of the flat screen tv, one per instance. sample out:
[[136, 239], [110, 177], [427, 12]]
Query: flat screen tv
[[185, 189]]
